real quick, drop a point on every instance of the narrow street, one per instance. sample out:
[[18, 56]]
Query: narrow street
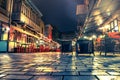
[[57, 66]]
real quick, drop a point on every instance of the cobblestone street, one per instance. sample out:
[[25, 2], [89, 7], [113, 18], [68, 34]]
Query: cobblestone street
[[57, 66]]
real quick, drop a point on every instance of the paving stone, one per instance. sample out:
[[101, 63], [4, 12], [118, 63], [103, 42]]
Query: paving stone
[[16, 73], [17, 77], [2, 75], [6, 67], [108, 77], [70, 73], [40, 73], [45, 64], [2, 72], [70, 70], [47, 78], [11, 69], [33, 69], [93, 73], [60, 68], [108, 68], [114, 73], [79, 67], [49, 70], [80, 78], [71, 67]]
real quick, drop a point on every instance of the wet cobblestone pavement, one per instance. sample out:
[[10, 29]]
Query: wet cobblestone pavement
[[56, 66]]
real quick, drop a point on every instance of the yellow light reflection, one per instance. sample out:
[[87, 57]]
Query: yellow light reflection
[[4, 60], [46, 69], [109, 77]]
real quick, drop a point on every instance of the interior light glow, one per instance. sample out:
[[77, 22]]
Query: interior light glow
[[94, 36]]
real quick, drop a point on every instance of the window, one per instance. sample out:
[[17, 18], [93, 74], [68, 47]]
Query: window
[[112, 26], [22, 9], [115, 22], [3, 4], [16, 7], [116, 25], [25, 10], [28, 15], [42, 30], [108, 28]]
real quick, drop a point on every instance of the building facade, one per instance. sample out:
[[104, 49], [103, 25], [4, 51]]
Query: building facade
[[21, 29]]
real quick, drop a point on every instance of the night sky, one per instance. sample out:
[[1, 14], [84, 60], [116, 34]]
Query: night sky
[[59, 13]]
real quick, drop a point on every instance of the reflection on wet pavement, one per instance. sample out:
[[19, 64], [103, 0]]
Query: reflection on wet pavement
[[57, 66]]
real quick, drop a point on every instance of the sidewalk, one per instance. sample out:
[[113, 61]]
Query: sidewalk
[[57, 66]]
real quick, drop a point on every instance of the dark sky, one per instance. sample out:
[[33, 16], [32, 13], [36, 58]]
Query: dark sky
[[60, 13]]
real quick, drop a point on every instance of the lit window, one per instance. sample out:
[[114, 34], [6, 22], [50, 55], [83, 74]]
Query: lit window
[[115, 22], [112, 26], [116, 25]]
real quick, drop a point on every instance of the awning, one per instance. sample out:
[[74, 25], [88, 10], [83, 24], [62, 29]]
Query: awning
[[115, 35], [25, 32]]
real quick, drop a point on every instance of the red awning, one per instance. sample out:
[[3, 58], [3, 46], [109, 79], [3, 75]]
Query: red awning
[[115, 35]]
